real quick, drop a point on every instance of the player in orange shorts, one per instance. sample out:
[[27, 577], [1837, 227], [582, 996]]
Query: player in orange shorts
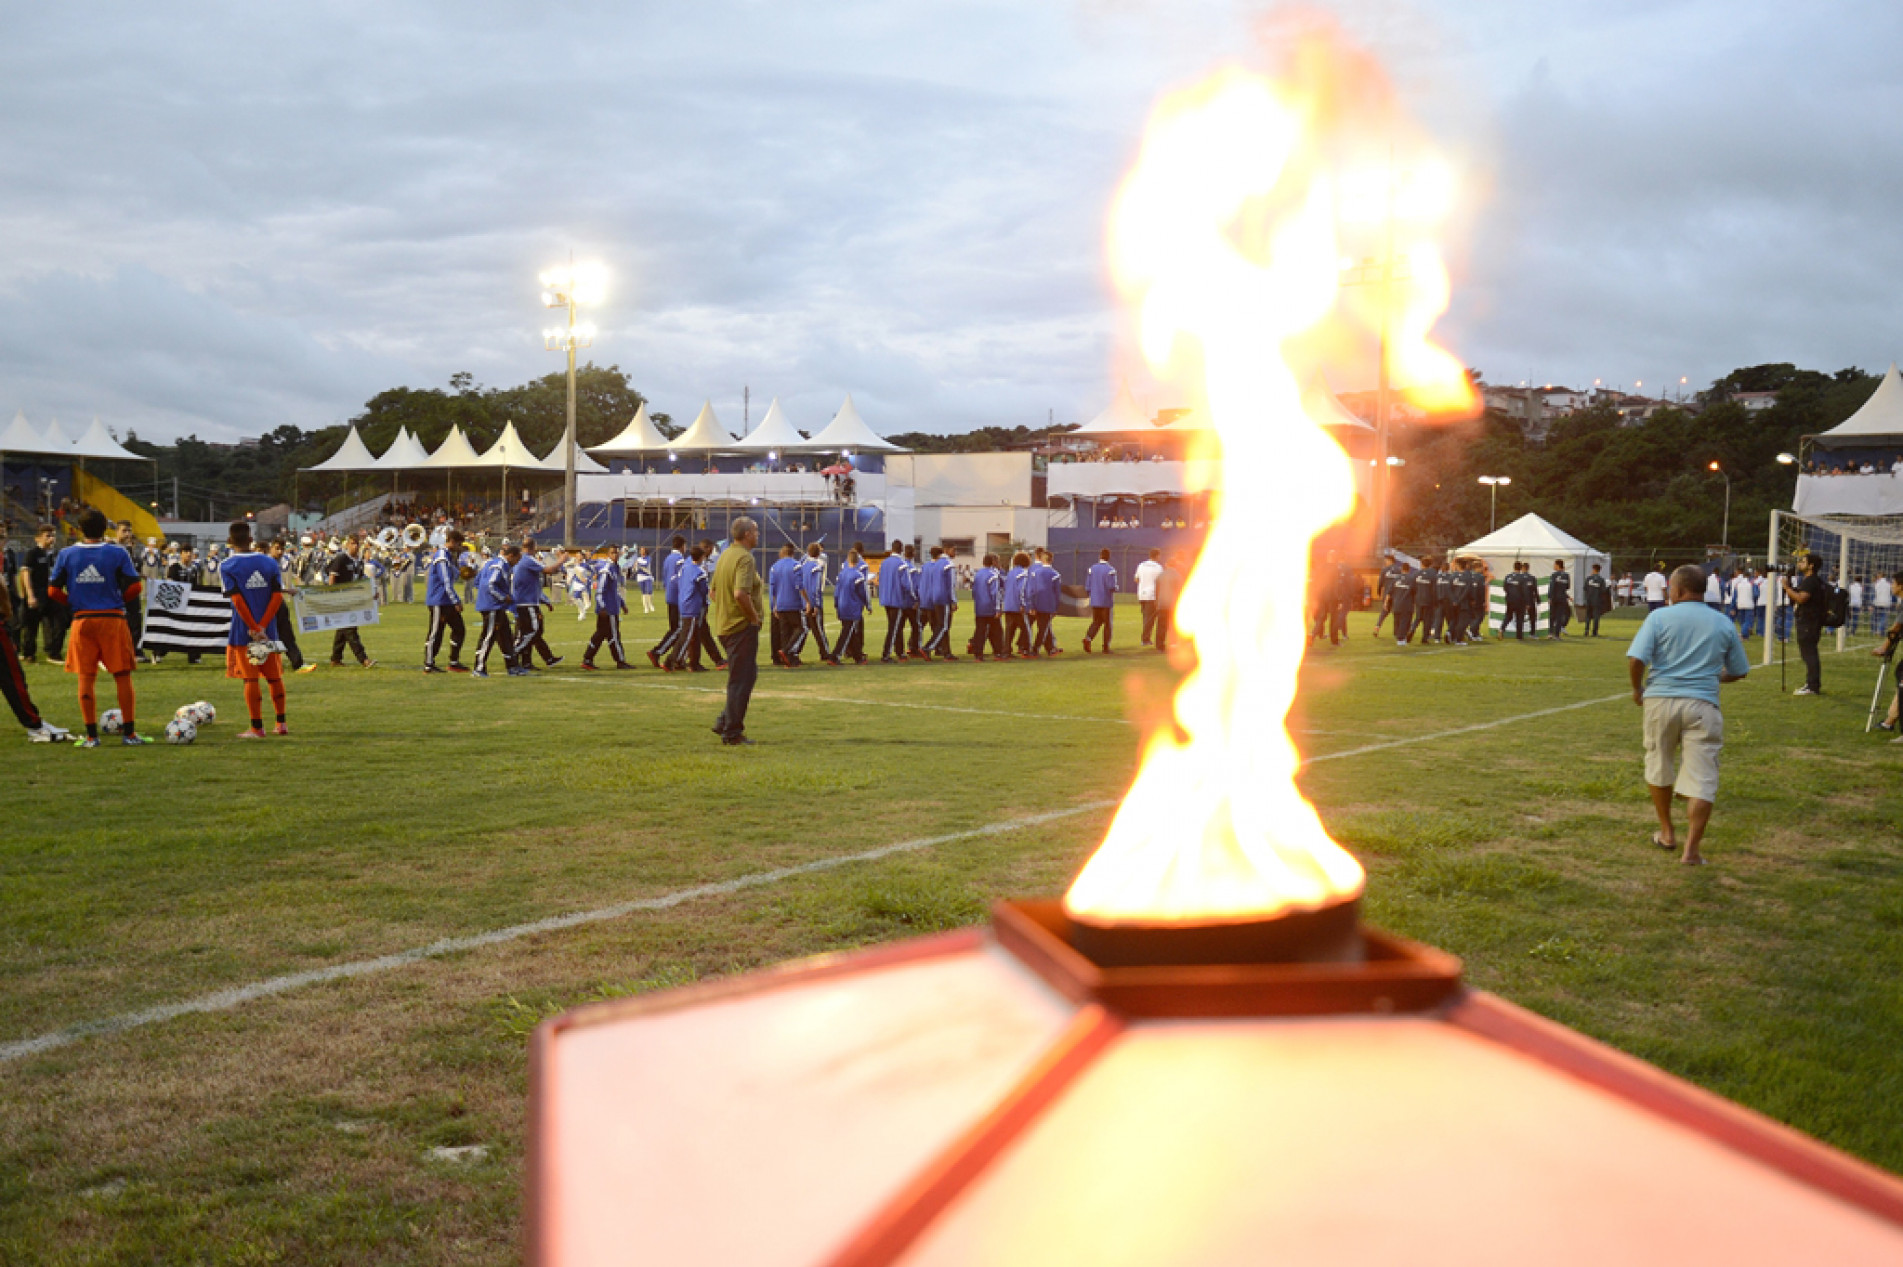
[[96, 579], [255, 585]]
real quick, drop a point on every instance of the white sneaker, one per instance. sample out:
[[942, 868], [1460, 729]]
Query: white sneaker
[[1805, 690], [49, 733]]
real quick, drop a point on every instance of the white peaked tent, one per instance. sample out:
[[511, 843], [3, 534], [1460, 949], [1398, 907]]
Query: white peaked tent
[[584, 465], [454, 453], [510, 453], [351, 455], [1121, 418], [1530, 539], [705, 436], [55, 440], [20, 437], [638, 439], [848, 431], [775, 434], [98, 443], [1880, 418], [1320, 403], [405, 453]]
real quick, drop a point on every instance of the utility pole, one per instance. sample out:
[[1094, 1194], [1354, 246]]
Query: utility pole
[[570, 288]]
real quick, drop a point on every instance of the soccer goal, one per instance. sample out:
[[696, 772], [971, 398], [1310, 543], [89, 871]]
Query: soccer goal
[[1863, 551]]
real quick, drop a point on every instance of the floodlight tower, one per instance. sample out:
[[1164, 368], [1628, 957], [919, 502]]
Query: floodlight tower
[[570, 286], [1493, 483]]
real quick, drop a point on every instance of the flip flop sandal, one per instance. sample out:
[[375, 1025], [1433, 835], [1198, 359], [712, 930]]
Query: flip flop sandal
[[1666, 846], [1696, 862]]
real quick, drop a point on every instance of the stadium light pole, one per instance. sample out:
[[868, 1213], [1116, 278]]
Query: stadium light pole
[[1725, 536], [570, 286], [1493, 483]]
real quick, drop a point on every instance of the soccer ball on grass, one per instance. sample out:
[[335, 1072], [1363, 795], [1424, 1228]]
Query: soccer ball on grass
[[111, 722], [180, 730]]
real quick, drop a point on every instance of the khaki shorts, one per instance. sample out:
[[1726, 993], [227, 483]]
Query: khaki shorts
[[1683, 738]]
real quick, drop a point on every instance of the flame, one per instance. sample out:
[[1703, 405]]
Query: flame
[[1227, 235]]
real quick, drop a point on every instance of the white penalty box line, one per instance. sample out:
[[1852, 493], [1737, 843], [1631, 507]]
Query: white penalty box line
[[227, 999]]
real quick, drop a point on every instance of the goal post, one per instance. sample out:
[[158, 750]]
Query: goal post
[[1865, 551]]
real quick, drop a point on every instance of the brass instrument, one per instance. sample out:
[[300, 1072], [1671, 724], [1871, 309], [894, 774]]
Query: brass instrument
[[415, 535]]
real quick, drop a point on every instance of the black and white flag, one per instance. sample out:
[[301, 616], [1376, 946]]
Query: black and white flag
[[182, 617]]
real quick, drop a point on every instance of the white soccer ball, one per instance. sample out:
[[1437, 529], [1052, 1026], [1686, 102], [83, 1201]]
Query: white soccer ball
[[203, 713], [111, 722], [188, 711], [180, 730]]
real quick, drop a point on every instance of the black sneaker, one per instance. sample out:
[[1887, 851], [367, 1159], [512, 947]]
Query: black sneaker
[[557, 660], [736, 741]]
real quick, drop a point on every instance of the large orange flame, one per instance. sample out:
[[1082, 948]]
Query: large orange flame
[[1225, 235]]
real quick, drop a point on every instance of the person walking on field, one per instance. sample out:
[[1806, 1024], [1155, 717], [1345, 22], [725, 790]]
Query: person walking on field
[[738, 605], [1682, 653], [1147, 572]]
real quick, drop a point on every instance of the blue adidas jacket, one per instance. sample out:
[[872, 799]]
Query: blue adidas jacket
[[439, 581], [893, 576], [986, 592], [492, 586], [1101, 581], [784, 591], [850, 598]]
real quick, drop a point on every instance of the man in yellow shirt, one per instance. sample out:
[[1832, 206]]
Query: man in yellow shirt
[[738, 599]]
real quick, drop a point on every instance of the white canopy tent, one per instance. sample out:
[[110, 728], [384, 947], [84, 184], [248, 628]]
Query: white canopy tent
[[705, 436], [405, 453], [1530, 539], [98, 443], [509, 453], [19, 437], [1877, 425], [454, 453], [1121, 417], [640, 438], [584, 465], [775, 434], [1880, 419], [1321, 404], [849, 432], [351, 455]]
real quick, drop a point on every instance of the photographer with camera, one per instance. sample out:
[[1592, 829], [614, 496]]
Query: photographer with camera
[[1808, 598]]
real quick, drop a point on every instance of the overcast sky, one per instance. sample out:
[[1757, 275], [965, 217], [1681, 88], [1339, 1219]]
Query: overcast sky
[[221, 218]]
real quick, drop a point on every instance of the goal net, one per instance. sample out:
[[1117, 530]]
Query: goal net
[[1862, 554]]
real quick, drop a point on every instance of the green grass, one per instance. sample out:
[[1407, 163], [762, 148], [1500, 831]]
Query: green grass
[[406, 809]]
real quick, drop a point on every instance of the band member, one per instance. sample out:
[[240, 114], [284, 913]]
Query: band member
[[1101, 581], [894, 580], [644, 580], [1384, 588], [851, 601], [96, 580], [1044, 584], [813, 581], [579, 577], [1017, 636], [342, 568], [691, 592], [494, 601], [938, 600], [444, 603], [670, 576], [525, 591], [1401, 604], [1427, 601], [786, 596], [1559, 598], [987, 594], [255, 585], [1597, 592], [13, 681], [285, 628], [609, 604]]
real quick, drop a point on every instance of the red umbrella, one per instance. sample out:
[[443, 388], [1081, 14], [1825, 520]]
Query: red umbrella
[[837, 469]]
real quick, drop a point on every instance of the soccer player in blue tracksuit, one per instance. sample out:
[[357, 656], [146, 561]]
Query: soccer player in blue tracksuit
[[787, 597], [851, 601], [493, 603], [445, 605], [938, 599], [605, 587], [1044, 584], [525, 587], [913, 632], [670, 576], [813, 581], [1017, 638], [987, 596], [1101, 581], [691, 584], [893, 583]]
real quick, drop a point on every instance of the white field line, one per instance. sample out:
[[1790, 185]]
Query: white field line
[[224, 1000], [869, 703]]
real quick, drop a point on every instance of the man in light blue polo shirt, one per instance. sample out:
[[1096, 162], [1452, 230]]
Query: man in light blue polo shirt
[[1689, 649]]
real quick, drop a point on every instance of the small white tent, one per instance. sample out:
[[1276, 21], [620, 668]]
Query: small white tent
[[775, 434], [848, 432], [1881, 417], [1122, 418], [1530, 539], [454, 453], [405, 453], [351, 455], [509, 452], [98, 443], [639, 439], [705, 436]]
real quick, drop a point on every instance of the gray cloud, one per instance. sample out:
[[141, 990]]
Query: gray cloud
[[240, 217]]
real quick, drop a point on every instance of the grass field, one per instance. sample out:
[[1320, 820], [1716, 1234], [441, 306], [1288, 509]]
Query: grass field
[[305, 1126]]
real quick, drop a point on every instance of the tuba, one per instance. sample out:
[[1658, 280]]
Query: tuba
[[387, 539], [415, 535]]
